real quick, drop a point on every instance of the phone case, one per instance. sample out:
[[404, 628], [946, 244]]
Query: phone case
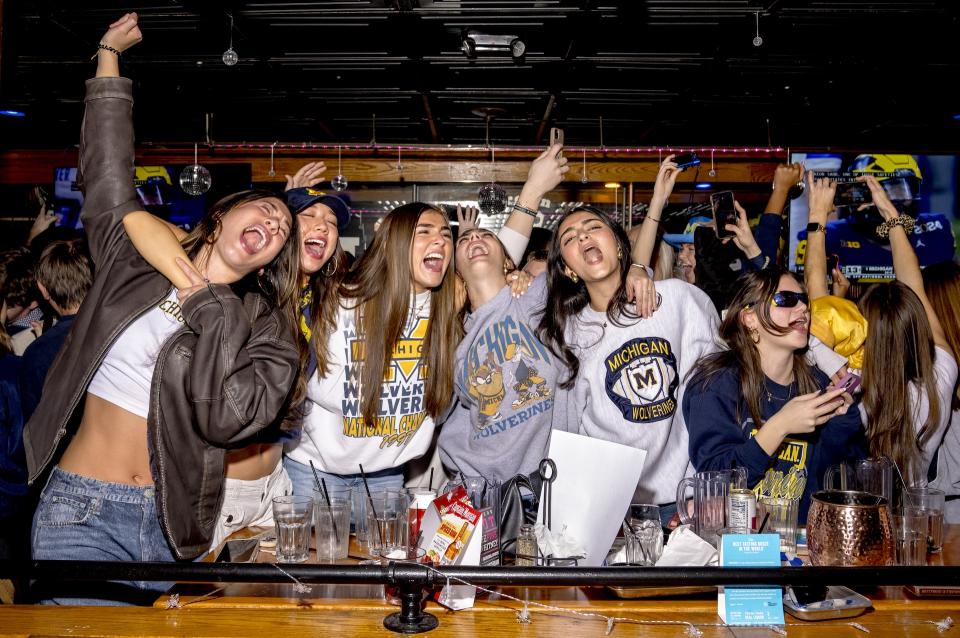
[[839, 602], [723, 215]]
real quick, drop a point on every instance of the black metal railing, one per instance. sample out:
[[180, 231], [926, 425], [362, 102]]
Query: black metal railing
[[411, 579]]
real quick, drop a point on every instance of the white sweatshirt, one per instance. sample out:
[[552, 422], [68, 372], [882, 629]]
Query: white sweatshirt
[[335, 436], [632, 379]]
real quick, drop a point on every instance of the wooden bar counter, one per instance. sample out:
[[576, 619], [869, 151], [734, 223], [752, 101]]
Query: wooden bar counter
[[268, 610]]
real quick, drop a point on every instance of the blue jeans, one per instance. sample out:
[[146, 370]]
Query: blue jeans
[[81, 518], [302, 478]]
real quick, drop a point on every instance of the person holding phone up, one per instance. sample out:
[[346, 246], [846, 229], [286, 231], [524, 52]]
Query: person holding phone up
[[909, 371]]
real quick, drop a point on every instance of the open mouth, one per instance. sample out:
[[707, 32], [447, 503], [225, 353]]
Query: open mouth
[[315, 247], [433, 262], [477, 250], [253, 239], [592, 255], [800, 325]]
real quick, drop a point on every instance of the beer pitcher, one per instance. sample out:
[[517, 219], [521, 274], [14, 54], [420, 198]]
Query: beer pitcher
[[710, 491], [873, 476]]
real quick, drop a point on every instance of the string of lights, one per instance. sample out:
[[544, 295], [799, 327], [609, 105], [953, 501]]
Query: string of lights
[[482, 148]]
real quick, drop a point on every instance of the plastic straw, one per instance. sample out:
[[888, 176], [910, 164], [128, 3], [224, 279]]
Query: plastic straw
[[430, 483], [366, 486], [763, 524], [316, 476]]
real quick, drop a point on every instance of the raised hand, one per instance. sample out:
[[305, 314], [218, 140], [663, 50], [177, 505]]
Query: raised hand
[[880, 199], [547, 171], [786, 176], [466, 218], [307, 175], [666, 178], [742, 233], [840, 283], [820, 193], [197, 282], [123, 34]]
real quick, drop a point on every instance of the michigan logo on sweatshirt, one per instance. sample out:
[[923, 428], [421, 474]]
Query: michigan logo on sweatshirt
[[642, 379]]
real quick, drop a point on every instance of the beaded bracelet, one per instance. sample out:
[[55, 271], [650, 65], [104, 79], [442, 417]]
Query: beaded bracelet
[[105, 47], [904, 221], [524, 209]]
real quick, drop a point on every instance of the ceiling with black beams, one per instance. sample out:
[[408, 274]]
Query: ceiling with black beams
[[633, 73]]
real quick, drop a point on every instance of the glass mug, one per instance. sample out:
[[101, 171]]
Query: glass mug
[[710, 491]]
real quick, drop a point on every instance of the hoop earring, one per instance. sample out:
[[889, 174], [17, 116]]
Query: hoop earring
[[215, 235], [331, 265], [574, 278], [755, 335], [506, 269], [619, 252]]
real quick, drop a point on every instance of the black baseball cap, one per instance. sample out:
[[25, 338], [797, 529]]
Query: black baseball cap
[[300, 199]]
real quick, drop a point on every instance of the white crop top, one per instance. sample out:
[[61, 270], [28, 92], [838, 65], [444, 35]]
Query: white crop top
[[125, 374]]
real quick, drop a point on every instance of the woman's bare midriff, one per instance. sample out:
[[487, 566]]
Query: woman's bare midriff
[[254, 461], [110, 445]]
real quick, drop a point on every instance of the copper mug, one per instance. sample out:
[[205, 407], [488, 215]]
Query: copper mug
[[849, 529]]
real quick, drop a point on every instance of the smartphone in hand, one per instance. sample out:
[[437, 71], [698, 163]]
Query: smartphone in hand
[[852, 194], [686, 160], [724, 213], [850, 382], [556, 137]]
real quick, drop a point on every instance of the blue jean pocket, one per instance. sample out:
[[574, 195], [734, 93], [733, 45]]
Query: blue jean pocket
[[60, 509]]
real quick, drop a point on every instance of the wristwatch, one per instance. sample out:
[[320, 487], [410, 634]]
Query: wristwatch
[[815, 227]]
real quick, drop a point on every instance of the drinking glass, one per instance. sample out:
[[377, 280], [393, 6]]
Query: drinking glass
[[291, 515], [645, 542], [386, 521], [782, 520], [929, 503], [331, 523], [910, 538]]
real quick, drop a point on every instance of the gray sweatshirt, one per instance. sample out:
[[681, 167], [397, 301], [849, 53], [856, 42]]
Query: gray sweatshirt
[[505, 382]]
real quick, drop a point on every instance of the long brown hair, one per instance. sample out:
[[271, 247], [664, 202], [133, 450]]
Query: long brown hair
[[942, 284], [754, 291], [899, 351], [566, 298], [324, 305], [278, 283], [380, 282]]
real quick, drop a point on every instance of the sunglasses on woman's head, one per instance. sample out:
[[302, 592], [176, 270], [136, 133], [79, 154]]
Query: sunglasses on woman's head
[[789, 299]]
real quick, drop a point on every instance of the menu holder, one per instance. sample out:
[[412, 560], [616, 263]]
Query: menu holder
[[750, 605]]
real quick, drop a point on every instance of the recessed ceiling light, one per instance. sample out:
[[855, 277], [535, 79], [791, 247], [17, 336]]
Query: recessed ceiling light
[[704, 185], [612, 185]]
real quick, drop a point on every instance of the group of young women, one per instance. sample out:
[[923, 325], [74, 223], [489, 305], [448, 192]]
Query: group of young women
[[207, 372]]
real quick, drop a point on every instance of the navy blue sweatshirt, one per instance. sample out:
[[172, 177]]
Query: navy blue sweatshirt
[[721, 433]]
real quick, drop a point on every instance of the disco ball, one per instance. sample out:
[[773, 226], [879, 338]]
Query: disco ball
[[491, 199], [195, 180], [339, 183], [230, 57]]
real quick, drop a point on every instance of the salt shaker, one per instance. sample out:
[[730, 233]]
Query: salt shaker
[[526, 546]]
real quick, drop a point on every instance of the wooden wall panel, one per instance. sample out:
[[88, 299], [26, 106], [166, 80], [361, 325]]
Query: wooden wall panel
[[36, 167]]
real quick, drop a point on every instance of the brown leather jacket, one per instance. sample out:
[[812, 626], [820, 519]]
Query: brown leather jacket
[[222, 378]]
